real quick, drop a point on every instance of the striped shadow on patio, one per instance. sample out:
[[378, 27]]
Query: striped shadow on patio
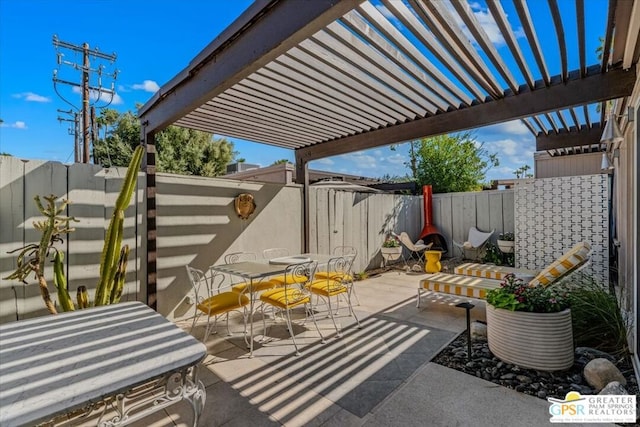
[[356, 372]]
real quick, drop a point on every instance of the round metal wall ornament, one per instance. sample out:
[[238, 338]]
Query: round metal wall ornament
[[244, 205]]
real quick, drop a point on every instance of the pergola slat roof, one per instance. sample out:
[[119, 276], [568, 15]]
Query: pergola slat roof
[[334, 73], [327, 77]]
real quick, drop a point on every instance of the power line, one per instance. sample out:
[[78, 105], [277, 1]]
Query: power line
[[85, 136]]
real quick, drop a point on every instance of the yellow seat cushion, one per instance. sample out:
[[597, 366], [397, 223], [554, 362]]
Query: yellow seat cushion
[[279, 280], [239, 288], [334, 275], [222, 303], [464, 286], [285, 297], [564, 265], [326, 288]]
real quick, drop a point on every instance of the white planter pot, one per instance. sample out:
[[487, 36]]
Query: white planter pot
[[506, 246], [391, 254], [542, 341]]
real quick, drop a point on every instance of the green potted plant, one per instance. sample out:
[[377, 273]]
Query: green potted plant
[[530, 326], [506, 242], [391, 249]]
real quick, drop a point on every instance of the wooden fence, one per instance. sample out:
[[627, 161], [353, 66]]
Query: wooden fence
[[363, 220]]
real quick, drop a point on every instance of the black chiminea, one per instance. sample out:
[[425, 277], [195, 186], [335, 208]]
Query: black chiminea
[[430, 233]]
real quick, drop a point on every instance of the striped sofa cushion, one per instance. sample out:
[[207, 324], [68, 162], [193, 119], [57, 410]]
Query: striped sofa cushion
[[464, 286], [487, 271], [564, 265]]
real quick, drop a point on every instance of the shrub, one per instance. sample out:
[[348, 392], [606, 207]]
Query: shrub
[[596, 316]]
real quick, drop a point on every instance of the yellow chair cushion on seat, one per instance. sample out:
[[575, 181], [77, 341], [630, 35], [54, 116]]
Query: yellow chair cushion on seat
[[285, 297], [279, 280], [239, 288], [223, 302], [334, 275], [564, 265], [327, 288]]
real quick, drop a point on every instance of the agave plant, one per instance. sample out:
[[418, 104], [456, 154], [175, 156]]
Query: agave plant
[[113, 262]]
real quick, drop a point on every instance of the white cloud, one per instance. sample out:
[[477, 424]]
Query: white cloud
[[514, 127], [102, 97], [147, 86], [32, 97], [361, 160], [486, 21], [508, 147], [14, 125], [396, 159], [325, 161]]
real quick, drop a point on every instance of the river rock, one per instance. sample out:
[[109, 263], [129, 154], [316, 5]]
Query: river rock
[[614, 387], [600, 372], [478, 331]]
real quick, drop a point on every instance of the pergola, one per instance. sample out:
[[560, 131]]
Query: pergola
[[328, 77]]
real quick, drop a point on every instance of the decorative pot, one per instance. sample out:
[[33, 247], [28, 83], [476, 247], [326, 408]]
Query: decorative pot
[[433, 261], [505, 246], [542, 341], [391, 254]]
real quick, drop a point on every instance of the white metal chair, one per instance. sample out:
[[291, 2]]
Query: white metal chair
[[272, 253], [334, 285], [415, 250], [346, 276], [476, 242], [293, 293], [214, 299]]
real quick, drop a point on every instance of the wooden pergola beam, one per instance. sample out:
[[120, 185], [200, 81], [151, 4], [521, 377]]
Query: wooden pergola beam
[[594, 87], [571, 138]]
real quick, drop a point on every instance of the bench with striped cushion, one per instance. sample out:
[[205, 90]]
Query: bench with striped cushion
[[486, 271], [473, 286], [464, 286]]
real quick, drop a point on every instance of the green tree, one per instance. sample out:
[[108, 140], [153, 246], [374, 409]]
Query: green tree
[[179, 150], [278, 162], [521, 172], [452, 163]]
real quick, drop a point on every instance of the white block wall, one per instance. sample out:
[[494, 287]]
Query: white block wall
[[553, 214]]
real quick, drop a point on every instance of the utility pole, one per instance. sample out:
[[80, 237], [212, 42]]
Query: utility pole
[[86, 88], [75, 131]]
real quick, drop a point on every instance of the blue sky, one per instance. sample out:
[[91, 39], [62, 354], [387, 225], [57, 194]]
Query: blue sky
[[156, 40]]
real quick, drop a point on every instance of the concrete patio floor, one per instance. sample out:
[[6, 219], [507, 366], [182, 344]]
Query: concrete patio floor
[[379, 375]]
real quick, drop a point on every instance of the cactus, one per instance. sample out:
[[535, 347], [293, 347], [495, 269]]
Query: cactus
[[113, 262], [82, 296], [33, 256], [120, 275], [61, 282], [110, 262]]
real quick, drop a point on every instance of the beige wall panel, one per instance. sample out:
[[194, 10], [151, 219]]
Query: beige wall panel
[[313, 219], [197, 225], [12, 204], [577, 164]]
